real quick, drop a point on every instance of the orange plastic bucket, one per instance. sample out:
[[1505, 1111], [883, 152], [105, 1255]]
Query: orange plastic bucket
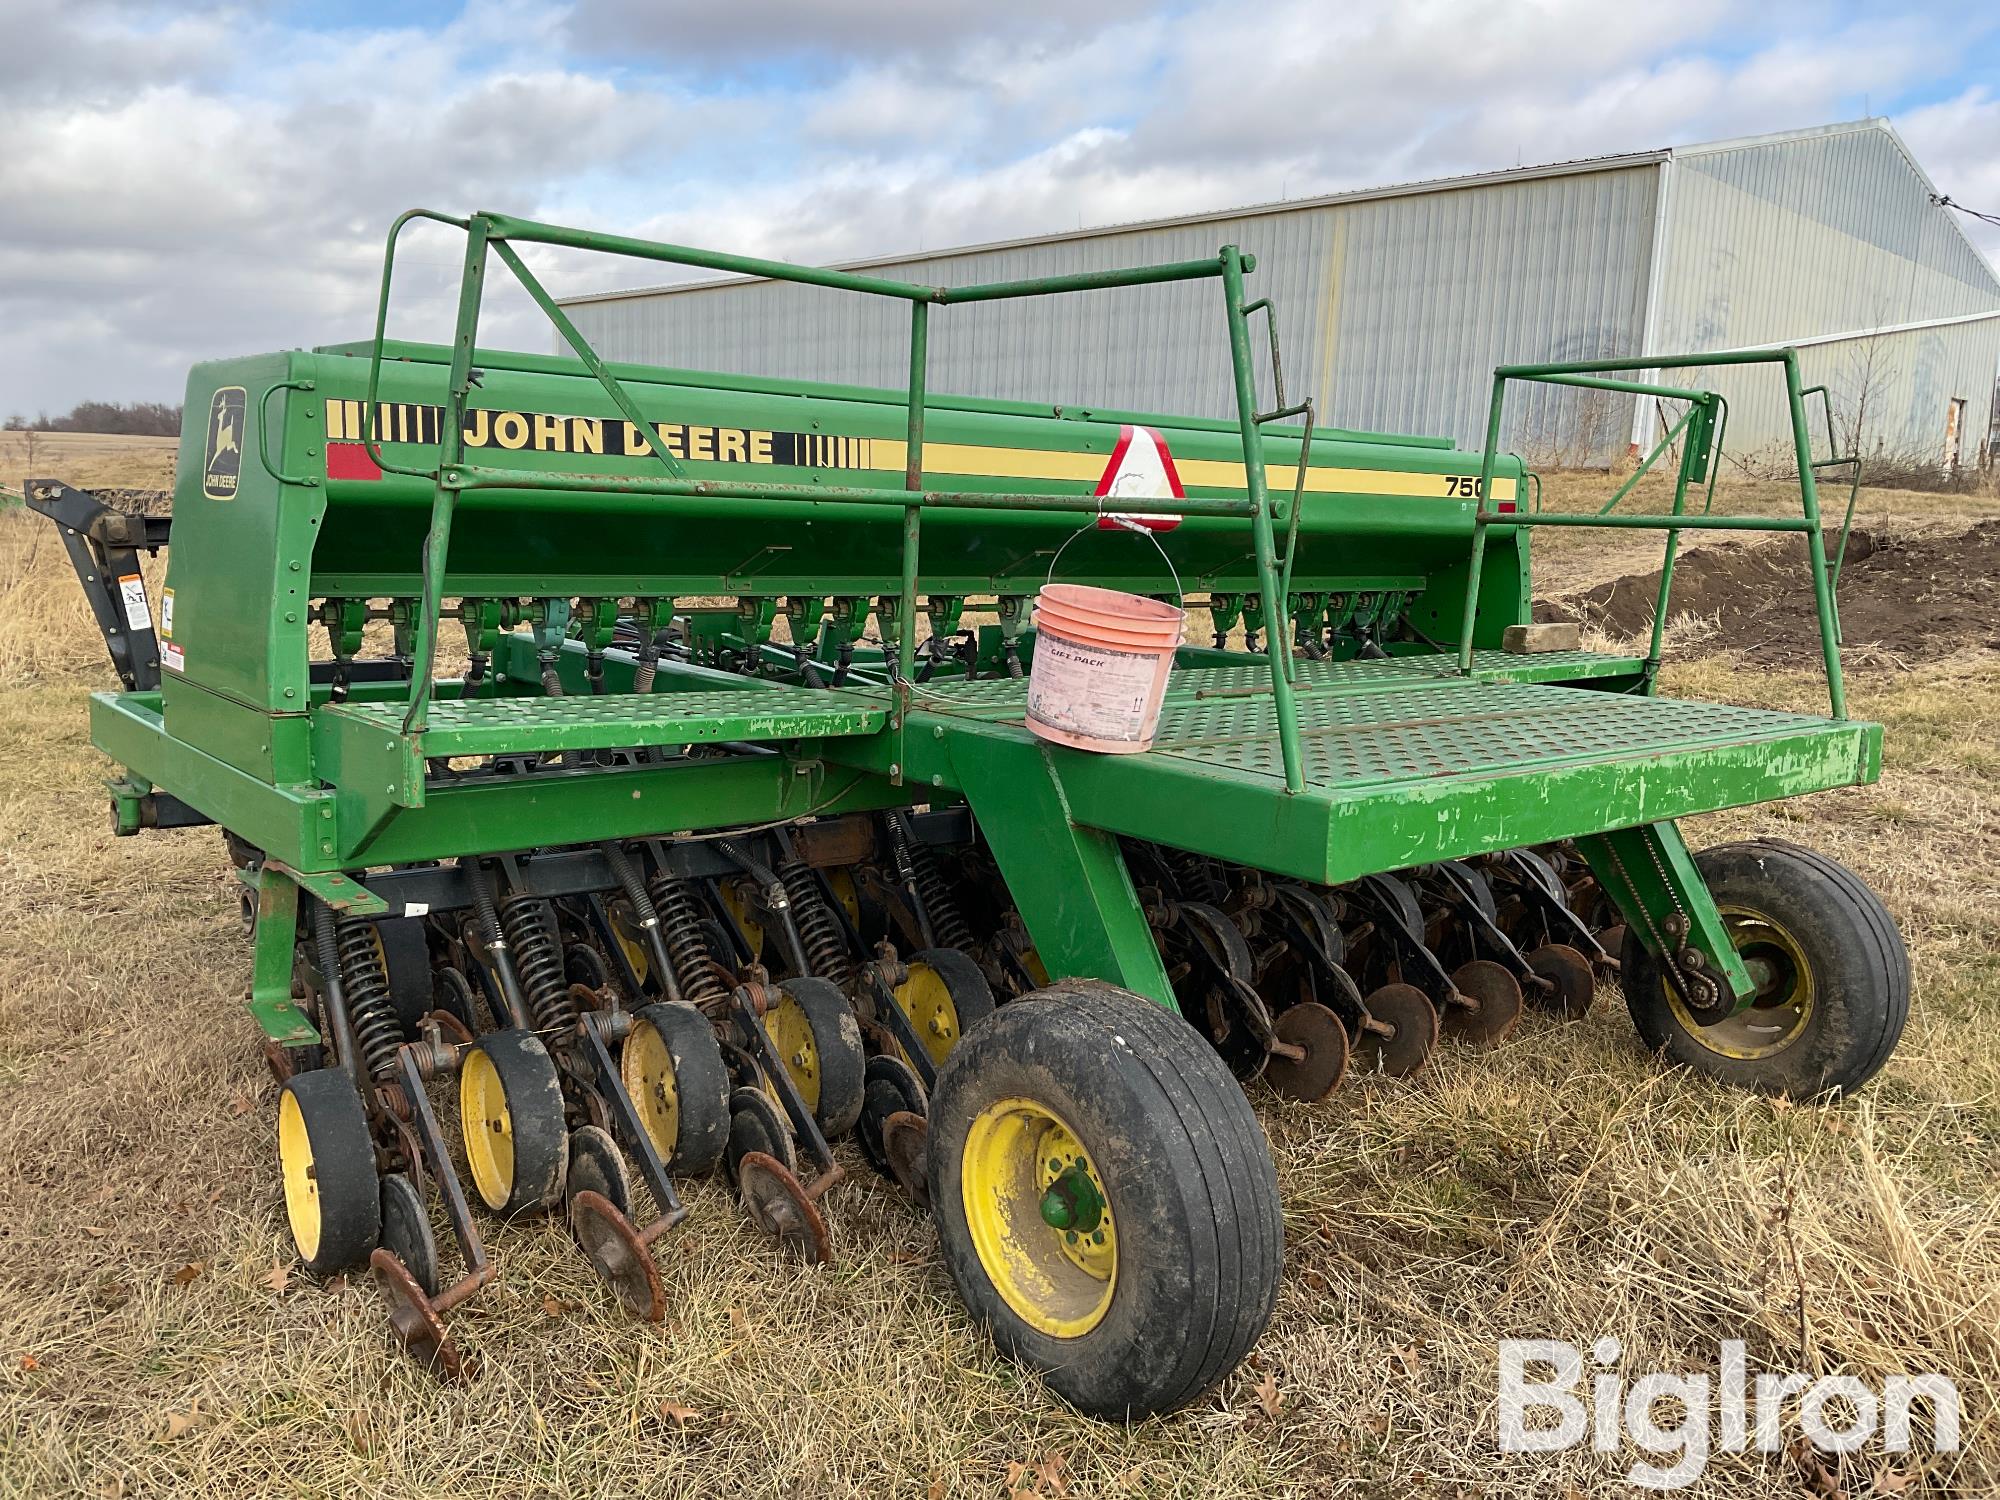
[[1102, 659]]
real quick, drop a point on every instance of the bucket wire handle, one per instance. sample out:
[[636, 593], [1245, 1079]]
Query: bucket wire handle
[[1122, 523]]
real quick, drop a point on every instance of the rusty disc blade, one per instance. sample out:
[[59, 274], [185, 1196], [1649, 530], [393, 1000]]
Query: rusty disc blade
[[778, 1205], [1496, 1008], [278, 1060], [415, 1322], [1319, 1031], [1570, 972], [906, 1141], [617, 1254], [1413, 1023]]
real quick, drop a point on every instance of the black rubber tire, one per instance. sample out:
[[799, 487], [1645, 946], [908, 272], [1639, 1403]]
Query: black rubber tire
[[406, 956], [701, 1085], [1860, 970], [407, 1232], [843, 1061], [1180, 1152], [347, 1197], [532, 1090]]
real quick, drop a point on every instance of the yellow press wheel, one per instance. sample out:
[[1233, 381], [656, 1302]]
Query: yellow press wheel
[[510, 1117], [1105, 1198], [326, 1156], [944, 997], [1830, 976], [818, 1043], [672, 1067]]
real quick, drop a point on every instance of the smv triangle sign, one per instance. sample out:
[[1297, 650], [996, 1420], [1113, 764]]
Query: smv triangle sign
[[1141, 468]]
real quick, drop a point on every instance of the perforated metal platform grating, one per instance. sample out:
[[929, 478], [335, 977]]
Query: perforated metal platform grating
[[1428, 732], [495, 726]]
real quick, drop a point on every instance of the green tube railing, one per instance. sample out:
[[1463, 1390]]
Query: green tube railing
[[495, 234], [1601, 375]]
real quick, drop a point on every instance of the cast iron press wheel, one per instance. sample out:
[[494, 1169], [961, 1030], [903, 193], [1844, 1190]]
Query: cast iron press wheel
[[818, 1042], [1832, 976], [757, 1124], [1105, 1198], [510, 1114], [327, 1157], [893, 1088], [945, 996], [673, 1069]]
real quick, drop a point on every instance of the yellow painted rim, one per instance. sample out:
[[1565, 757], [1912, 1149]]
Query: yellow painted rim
[[841, 883], [647, 1068], [791, 1036], [487, 1127], [1037, 970], [926, 999], [739, 913], [295, 1163], [1784, 1005], [625, 928], [1059, 1282]]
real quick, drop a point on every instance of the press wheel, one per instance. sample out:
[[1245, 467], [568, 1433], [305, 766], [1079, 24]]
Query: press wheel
[[778, 1205], [510, 1108], [406, 1231], [818, 1043], [672, 1068], [893, 1088], [326, 1155], [756, 1123], [945, 996], [415, 1321], [621, 1259]]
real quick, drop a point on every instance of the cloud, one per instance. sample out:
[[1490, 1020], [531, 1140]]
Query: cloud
[[185, 181]]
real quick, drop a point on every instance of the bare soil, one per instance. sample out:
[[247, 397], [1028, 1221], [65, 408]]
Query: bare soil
[[1902, 598]]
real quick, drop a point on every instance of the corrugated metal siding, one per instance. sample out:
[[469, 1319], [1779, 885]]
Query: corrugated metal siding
[[1392, 313], [1824, 233]]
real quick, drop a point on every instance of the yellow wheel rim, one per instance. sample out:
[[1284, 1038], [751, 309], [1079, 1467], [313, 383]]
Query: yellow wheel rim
[[647, 1067], [1037, 970], [792, 1039], [625, 928], [488, 1128], [295, 1163], [841, 883], [1783, 1006], [926, 999], [739, 913], [1040, 1219]]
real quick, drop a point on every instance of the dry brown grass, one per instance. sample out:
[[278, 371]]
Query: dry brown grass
[[1563, 1187], [87, 459]]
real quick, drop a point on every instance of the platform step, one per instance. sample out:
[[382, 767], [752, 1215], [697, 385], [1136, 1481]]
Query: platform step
[[618, 721]]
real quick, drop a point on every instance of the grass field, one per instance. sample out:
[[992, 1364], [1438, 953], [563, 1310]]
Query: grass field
[[156, 1339]]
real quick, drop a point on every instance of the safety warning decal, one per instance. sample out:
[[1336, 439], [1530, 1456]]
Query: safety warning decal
[[1141, 468], [173, 658], [167, 613], [132, 591]]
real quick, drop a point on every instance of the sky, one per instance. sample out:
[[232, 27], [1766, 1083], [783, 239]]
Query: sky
[[186, 180]]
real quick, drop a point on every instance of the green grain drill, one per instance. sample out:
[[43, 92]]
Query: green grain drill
[[627, 769]]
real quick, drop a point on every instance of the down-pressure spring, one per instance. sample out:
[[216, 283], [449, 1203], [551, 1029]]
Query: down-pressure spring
[[680, 929], [819, 933], [371, 1014], [530, 925], [919, 870]]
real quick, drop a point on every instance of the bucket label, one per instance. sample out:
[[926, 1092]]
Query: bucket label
[[1091, 690]]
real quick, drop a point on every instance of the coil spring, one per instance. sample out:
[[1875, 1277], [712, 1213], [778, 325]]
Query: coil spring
[[819, 933], [1199, 879], [530, 925], [948, 924], [371, 1015], [680, 929]]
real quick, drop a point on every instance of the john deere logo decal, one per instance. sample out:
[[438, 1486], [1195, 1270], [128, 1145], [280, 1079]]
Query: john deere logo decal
[[222, 460]]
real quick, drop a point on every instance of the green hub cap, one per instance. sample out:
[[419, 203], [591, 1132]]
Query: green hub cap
[[1072, 1201]]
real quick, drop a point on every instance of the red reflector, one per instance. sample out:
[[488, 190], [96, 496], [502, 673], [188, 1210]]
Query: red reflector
[[1506, 507], [350, 461]]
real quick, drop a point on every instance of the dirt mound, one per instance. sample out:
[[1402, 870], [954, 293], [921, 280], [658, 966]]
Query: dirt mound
[[1909, 598]]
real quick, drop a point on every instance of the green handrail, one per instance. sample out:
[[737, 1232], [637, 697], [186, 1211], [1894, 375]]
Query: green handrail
[[489, 232], [1599, 374]]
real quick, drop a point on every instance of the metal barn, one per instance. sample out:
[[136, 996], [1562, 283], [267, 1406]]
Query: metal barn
[[1396, 303]]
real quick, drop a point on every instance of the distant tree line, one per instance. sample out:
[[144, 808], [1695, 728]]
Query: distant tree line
[[140, 419]]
